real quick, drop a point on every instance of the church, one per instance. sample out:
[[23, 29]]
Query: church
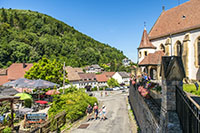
[[175, 33]]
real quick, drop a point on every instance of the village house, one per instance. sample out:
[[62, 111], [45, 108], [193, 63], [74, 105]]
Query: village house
[[73, 75], [101, 80], [122, 77], [126, 62], [175, 33], [87, 79], [108, 74], [13, 72], [93, 69]]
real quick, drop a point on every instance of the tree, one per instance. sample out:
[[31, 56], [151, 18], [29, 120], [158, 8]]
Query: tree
[[4, 15], [47, 70], [112, 82]]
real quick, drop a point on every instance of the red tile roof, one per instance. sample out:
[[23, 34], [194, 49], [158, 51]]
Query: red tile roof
[[152, 58], [87, 76], [178, 19], [17, 70], [101, 78], [108, 74], [145, 43], [3, 79]]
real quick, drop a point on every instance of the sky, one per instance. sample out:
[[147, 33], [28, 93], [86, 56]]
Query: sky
[[119, 23]]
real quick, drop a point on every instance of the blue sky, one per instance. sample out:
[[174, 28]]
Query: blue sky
[[119, 23]]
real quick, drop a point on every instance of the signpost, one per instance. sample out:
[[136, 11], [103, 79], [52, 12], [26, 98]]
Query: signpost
[[35, 118]]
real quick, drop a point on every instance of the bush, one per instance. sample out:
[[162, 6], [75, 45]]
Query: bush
[[73, 103], [191, 88], [94, 89], [7, 130]]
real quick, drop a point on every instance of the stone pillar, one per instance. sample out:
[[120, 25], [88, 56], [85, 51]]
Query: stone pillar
[[172, 73]]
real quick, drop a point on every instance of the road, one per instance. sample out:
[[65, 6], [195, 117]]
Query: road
[[117, 114]]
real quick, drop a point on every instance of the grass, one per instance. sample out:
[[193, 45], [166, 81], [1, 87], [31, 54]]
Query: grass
[[191, 89]]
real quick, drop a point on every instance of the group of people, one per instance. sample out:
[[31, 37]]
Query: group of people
[[98, 113]]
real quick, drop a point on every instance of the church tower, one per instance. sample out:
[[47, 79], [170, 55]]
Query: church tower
[[145, 47]]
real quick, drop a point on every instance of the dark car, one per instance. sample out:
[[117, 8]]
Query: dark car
[[109, 89]]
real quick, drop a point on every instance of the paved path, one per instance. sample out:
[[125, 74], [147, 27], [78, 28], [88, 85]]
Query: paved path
[[117, 114]]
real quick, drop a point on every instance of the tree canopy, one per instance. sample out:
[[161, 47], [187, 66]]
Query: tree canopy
[[27, 36], [47, 70], [112, 82]]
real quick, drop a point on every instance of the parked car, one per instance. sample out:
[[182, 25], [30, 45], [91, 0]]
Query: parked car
[[116, 88], [121, 87], [109, 89]]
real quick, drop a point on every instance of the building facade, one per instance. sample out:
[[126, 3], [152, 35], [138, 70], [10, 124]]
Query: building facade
[[175, 33]]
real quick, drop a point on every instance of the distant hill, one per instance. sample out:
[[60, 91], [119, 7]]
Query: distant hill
[[27, 36]]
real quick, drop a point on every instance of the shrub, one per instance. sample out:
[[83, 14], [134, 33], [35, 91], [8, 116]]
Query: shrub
[[7, 130], [94, 89], [190, 88], [73, 103]]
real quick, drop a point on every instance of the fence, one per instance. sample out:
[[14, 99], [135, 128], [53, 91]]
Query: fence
[[54, 124], [188, 113]]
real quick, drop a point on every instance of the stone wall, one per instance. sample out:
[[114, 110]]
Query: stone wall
[[147, 121]]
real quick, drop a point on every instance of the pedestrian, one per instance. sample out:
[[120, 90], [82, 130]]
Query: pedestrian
[[104, 112], [101, 93], [95, 108], [89, 112], [106, 93]]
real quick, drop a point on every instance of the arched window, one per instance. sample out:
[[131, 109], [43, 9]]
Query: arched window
[[162, 48], [178, 49]]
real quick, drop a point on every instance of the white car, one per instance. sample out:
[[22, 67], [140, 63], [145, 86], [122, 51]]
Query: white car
[[116, 88]]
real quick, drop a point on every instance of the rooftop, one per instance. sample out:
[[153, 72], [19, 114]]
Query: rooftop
[[178, 19], [152, 58]]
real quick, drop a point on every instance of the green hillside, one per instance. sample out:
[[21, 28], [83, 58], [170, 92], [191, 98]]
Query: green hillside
[[27, 36]]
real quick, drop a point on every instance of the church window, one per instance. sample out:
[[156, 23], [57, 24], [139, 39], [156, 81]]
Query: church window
[[140, 54]]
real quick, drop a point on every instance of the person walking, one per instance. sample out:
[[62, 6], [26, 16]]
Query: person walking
[[89, 112], [104, 112], [95, 109]]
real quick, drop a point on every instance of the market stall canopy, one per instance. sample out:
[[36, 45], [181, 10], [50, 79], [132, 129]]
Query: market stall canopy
[[52, 92], [39, 84], [24, 96], [17, 83], [7, 91], [41, 102]]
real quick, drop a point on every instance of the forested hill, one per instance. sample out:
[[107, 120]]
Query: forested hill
[[27, 36]]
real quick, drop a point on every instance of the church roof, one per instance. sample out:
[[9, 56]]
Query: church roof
[[145, 43], [152, 59], [182, 18]]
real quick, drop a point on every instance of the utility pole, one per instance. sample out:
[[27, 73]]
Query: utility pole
[[63, 77]]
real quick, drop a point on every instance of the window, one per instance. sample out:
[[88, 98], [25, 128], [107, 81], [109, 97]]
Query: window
[[178, 49], [145, 53], [140, 54]]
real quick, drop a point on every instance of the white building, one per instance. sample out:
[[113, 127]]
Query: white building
[[122, 77], [126, 62], [93, 69], [175, 33]]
